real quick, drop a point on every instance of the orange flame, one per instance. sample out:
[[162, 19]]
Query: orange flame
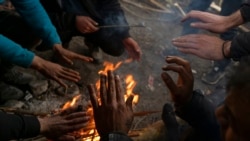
[[90, 133], [130, 83], [71, 103]]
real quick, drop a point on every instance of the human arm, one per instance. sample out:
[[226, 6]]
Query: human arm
[[15, 126], [190, 105], [113, 117], [201, 45], [213, 22]]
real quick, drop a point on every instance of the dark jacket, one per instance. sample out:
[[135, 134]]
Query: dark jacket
[[240, 45], [18, 126]]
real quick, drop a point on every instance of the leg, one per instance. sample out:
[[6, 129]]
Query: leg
[[201, 5]]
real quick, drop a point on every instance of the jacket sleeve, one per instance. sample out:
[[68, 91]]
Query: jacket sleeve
[[17, 126], [245, 11], [200, 114], [36, 17], [240, 46], [14, 53]]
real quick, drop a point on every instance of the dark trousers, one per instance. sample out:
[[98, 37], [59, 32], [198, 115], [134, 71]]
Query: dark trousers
[[108, 39]]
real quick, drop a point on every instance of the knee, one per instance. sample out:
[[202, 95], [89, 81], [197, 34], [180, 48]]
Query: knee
[[113, 48]]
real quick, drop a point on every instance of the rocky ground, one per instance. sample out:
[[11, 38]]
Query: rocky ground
[[162, 25]]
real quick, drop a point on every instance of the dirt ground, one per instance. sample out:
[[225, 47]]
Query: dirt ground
[[155, 42]]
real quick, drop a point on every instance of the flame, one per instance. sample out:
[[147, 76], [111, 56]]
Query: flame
[[130, 83], [71, 103], [89, 133]]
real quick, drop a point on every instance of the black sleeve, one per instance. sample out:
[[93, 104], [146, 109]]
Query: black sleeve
[[245, 11], [17, 126], [240, 46], [200, 114]]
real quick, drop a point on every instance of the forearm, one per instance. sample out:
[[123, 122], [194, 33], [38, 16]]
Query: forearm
[[200, 114], [234, 20], [14, 53], [17, 126], [34, 14]]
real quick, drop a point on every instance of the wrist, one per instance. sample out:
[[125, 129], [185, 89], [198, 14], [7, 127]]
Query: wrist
[[226, 49], [37, 63], [42, 126], [234, 20]]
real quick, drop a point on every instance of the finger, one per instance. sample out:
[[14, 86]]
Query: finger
[[179, 61], [193, 14], [129, 102], [103, 89], [111, 88], [92, 27], [93, 96], [65, 138], [169, 82], [81, 57], [119, 90], [71, 77], [191, 51], [70, 127], [76, 115], [183, 73], [59, 81], [69, 110], [67, 60], [200, 25], [70, 71]]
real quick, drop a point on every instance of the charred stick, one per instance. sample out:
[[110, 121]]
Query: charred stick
[[139, 114], [114, 26]]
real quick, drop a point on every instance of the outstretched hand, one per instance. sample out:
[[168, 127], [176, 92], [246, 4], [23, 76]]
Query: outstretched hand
[[68, 56], [57, 126], [181, 91], [208, 21], [133, 48], [86, 25], [113, 114], [204, 46]]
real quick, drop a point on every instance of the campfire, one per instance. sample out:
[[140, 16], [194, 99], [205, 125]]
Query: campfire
[[89, 133]]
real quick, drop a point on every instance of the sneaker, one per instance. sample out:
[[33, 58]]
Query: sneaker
[[95, 53], [16, 77], [9, 93], [213, 76]]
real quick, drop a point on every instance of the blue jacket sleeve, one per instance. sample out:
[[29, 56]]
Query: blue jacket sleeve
[[200, 114], [36, 17], [17, 126], [14, 53]]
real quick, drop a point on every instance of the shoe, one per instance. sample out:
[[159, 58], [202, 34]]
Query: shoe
[[169, 119], [9, 93], [94, 52], [15, 77], [213, 76]]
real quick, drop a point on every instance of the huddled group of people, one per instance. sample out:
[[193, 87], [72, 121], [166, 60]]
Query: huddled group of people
[[51, 24]]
